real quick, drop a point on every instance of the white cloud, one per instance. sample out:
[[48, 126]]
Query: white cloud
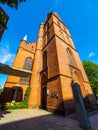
[[91, 54], [6, 57]]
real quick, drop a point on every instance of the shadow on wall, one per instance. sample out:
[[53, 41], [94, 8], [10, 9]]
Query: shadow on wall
[[68, 107], [8, 93]]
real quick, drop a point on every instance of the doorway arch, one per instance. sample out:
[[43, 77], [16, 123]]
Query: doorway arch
[[44, 92], [44, 97], [77, 77]]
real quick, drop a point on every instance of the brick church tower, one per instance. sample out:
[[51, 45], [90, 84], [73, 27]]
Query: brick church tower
[[54, 63]]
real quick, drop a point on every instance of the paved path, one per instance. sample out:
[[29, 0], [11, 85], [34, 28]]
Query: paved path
[[36, 119]]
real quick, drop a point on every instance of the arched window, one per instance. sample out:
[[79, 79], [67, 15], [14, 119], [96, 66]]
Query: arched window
[[44, 59], [28, 66], [71, 57]]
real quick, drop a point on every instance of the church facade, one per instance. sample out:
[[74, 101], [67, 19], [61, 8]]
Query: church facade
[[54, 63]]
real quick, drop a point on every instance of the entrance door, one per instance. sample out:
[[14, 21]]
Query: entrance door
[[44, 98], [78, 79]]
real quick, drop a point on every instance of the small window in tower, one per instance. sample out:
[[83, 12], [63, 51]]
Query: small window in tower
[[58, 23], [48, 36], [68, 38], [61, 34], [65, 29], [48, 25], [45, 59], [32, 48]]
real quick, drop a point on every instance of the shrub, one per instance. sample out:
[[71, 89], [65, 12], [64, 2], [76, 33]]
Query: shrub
[[21, 105], [26, 96]]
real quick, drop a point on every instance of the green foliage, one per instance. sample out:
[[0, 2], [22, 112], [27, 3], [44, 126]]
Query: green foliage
[[26, 96], [21, 105], [2, 17], [12, 3], [92, 73], [1, 90]]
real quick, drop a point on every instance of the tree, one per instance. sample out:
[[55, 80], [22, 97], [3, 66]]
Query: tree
[[12, 3], [92, 73], [2, 17], [1, 90]]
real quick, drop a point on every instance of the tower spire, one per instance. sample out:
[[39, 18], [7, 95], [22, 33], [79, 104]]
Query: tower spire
[[25, 38]]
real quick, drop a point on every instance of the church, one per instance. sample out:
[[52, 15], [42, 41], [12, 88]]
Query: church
[[53, 62]]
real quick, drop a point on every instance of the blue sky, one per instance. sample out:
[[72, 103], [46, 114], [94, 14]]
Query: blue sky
[[81, 17]]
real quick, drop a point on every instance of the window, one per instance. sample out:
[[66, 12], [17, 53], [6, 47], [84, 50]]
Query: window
[[24, 80], [71, 57], [58, 23], [28, 66], [61, 34], [32, 48], [48, 25], [68, 39], [44, 59], [65, 29], [48, 36]]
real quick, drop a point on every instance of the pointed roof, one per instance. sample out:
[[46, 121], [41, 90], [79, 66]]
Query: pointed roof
[[25, 38], [54, 13]]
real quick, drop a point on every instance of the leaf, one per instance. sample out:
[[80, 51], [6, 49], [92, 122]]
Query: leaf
[[91, 70]]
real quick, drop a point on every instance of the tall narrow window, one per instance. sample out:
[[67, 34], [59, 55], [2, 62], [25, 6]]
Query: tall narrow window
[[65, 29], [58, 23], [44, 59], [71, 57], [61, 34], [48, 25], [68, 39], [28, 66], [48, 36]]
